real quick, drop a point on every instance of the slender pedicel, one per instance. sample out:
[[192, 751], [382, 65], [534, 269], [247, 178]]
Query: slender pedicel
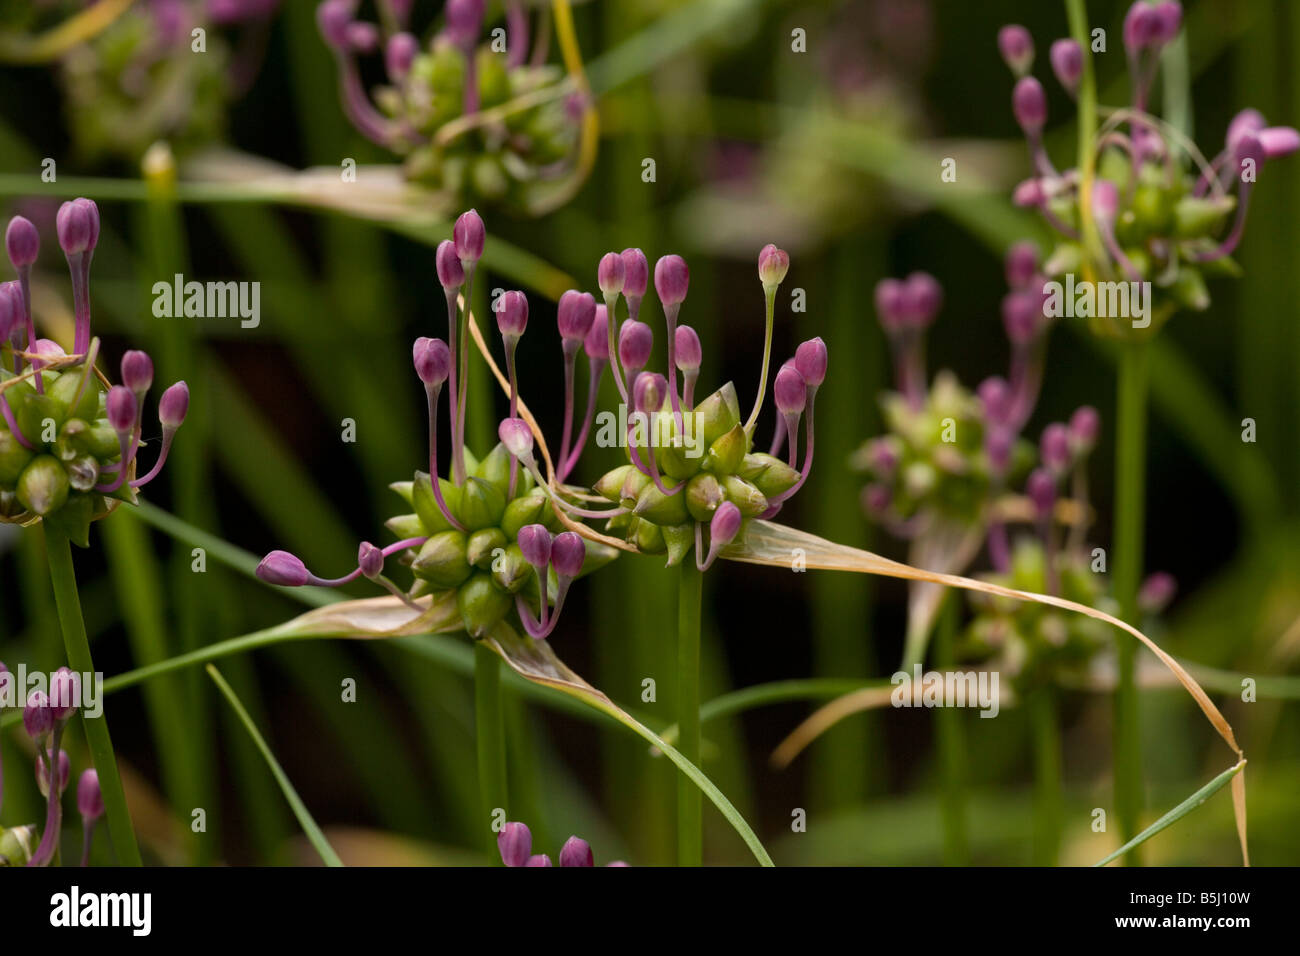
[[77, 225], [172, 408], [689, 357], [611, 272], [773, 264], [121, 407], [512, 320], [470, 236], [1041, 491], [672, 280], [575, 314], [23, 243], [596, 345], [334, 18], [790, 393], [647, 400], [636, 279], [433, 364], [451, 275]]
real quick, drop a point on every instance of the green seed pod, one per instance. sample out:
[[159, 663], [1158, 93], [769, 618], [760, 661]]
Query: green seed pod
[[13, 458], [634, 482], [1197, 218], [43, 485], [482, 604], [406, 489], [495, 468], [493, 79], [654, 505], [525, 510], [718, 414], [426, 506], [83, 473], [442, 560], [1189, 289], [482, 504], [703, 495], [406, 526], [727, 452], [610, 485], [649, 538], [768, 474], [34, 413], [510, 570], [65, 389], [678, 539], [16, 845], [744, 496], [481, 544], [678, 461]]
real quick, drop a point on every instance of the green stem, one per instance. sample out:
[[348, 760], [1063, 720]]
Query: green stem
[[1077, 13], [950, 737], [690, 807], [1047, 775], [1130, 508], [769, 296], [489, 729], [63, 576]]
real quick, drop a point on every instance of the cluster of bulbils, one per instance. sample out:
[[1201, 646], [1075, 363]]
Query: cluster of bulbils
[[491, 533], [1161, 211], [45, 716], [455, 76], [692, 464], [69, 441], [143, 78], [515, 843]]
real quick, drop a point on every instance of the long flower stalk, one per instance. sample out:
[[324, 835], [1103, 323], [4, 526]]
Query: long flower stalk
[[690, 808]]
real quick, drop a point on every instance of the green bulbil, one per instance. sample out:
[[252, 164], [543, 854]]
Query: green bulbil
[[661, 509], [481, 544], [43, 485], [482, 604], [442, 560], [482, 504]]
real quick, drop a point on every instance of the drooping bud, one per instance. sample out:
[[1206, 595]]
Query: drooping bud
[[432, 360], [636, 273], [451, 274], [724, 526], [1021, 263], [512, 313], [611, 273], [576, 852], [672, 279], [43, 773], [1067, 63], [689, 353], [469, 234], [515, 842], [535, 543], [65, 693], [137, 371], [22, 242], [790, 391], [1054, 448], [1017, 48], [38, 718], [90, 800], [635, 342], [1278, 141], [568, 551], [284, 569], [1029, 104], [517, 437], [773, 264], [810, 359], [370, 560], [596, 344], [575, 314]]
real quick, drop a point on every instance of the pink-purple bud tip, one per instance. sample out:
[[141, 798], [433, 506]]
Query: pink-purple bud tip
[[568, 551], [672, 279], [810, 359], [636, 273], [773, 264], [284, 569], [635, 342], [469, 234], [90, 800], [121, 406], [77, 225], [515, 842], [22, 242], [689, 353], [535, 542], [576, 852], [432, 360], [1029, 104], [596, 344], [38, 718], [451, 274], [1067, 63], [576, 312], [174, 405], [1017, 48], [790, 391], [512, 313], [517, 437], [610, 273]]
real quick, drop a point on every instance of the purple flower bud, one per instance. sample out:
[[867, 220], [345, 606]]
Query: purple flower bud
[[1017, 48], [576, 852], [363, 37], [137, 371], [432, 360], [1021, 263], [22, 241], [1141, 26], [995, 394], [451, 274], [1029, 194], [10, 308], [635, 342], [1054, 448], [876, 499], [576, 313], [122, 407], [568, 551], [1105, 200], [1247, 121], [891, 304], [1085, 424], [90, 801], [469, 232], [284, 569], [333, 18], [773, 264], [998, 445], [689, 352], [540, 859], [790, 391], [1156, 592], [636, 273], [1020, 311], [810, 359], [882, 455], [370, 560], [512, 313], [1029, 104], [464, 21], [923, 297], [399, 54], [611, 273], [65, 693], [1249, 149], [596, 344], [672, 279], [1040, 488], [77, 225], [38, 718], [1067, 63], [535, 543], [724, 526], [174, 405], [1279, 141], [515, 841], [1169, 19], [43, 773], [517, 437], [649, 392]]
